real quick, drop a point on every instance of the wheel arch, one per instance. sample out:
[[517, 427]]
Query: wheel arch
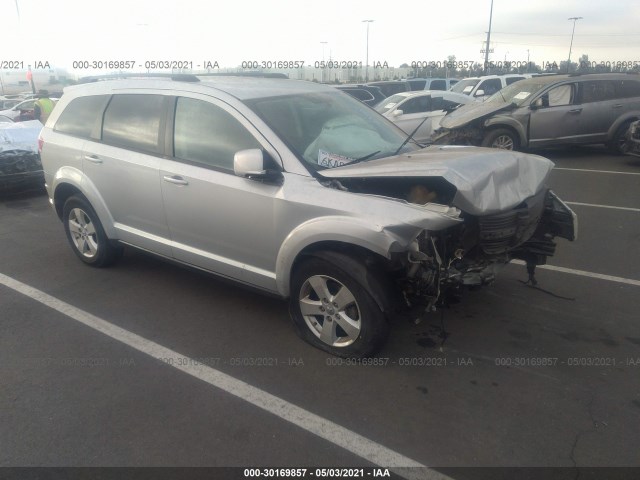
[[70, 181], [515, 127]]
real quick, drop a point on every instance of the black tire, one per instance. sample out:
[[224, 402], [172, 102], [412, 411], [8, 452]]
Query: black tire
[[617, 143], [86, 235], [502, 138], [363, 315]]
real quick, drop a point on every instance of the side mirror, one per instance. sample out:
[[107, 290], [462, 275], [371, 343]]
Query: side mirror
[[254, 163], [479, 93], [397, 113], [536, 104]]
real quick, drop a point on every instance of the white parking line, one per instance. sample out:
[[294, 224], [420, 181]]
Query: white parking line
[[595, 171], [629, 209], [332, 432], [582, 273]]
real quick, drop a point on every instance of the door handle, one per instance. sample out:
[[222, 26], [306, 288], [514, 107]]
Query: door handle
[[618, 105], [575, 110], [93, 158], [176, 180]]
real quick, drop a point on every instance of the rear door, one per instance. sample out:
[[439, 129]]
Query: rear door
[[600, 107], [414, 112], [123, 164], [557, 120]]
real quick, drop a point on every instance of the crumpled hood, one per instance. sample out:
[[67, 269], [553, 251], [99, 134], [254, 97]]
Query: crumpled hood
[[487, 180], [20, 136], [465, 114]]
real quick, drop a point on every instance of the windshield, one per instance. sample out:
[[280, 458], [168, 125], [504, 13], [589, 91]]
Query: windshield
[[517, 92], [465, 86], [388, 103], [328, 130]]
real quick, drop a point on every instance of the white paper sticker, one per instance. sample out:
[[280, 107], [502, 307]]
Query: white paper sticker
[[390, 105], [332, 160], [522, 95]]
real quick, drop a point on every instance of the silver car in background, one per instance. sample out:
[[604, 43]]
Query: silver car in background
[[419, 113], [296, 189]]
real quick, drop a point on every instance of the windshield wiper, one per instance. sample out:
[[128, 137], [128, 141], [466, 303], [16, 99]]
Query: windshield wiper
[[410, 137], [362, 159]]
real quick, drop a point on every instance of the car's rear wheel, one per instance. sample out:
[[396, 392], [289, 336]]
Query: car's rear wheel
[[335, 312], [86, 235], [501, 138]]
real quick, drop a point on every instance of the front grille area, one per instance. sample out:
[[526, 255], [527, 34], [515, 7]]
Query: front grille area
[[504, 231]]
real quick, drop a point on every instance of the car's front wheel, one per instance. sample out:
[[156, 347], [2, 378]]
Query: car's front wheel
[[86, 235], [501, 138], [334, 311]]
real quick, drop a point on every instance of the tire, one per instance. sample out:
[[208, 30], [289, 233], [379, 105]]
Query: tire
[[501, 138], [357, 325], [86, 235], [617, 143]]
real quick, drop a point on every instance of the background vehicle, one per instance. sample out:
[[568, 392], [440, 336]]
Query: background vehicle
[[431, 83], [391, 87], [482, 88], [20, 165], [408, 110], [21, 111], [632, 140], [549, 110], [367, 94], [7, 103], [299, 190]]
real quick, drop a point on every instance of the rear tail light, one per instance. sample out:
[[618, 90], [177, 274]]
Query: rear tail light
[[40, 143]]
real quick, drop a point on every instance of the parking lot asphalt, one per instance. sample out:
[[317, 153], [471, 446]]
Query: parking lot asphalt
[[523, 377]]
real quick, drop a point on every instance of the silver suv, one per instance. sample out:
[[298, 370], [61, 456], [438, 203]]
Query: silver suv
[[548, 111], [294, 188]]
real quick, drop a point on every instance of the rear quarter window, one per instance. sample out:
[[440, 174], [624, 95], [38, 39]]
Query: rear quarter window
[[81, 115]]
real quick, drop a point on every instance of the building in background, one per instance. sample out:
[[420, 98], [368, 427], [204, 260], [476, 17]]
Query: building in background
[[16, 81]]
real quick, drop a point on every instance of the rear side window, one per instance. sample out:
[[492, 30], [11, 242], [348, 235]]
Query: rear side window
[[417, 84], [416, 105], [133, 121], [628, 88], [597, 91], [81, 115], [510, 80], [361, 95], [206, 134], [438, 85]]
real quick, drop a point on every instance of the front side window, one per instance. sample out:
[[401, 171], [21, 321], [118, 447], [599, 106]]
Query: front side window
[[205, 133], [133, 121], [559, 96], [416, 105], [491, 86]]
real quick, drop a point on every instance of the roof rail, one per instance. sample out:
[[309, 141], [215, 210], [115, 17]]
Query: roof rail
[[178, 77]]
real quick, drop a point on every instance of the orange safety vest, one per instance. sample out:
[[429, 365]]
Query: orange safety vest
[[46, 106]]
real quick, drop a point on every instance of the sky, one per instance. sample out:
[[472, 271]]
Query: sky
[[230, 32]]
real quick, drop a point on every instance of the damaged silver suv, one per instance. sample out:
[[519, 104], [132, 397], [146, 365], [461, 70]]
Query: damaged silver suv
[[297, 189]]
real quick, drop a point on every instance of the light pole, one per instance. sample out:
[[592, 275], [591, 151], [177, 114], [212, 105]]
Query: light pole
[[486, 53], [323, 65], [366, 75], [571, 44]]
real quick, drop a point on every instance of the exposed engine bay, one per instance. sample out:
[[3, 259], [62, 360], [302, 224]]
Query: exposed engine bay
[[440, 263]]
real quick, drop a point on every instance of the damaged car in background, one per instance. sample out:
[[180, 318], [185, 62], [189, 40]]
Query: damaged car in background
[[20, 165], [296, 189], [546, 111], [632, 140]]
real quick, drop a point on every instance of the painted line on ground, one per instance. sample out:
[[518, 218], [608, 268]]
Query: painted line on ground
[[628, 209], [323, 428], [582, 273], [595, 171]]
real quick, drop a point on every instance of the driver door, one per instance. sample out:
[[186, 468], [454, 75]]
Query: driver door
[[557, 119]]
